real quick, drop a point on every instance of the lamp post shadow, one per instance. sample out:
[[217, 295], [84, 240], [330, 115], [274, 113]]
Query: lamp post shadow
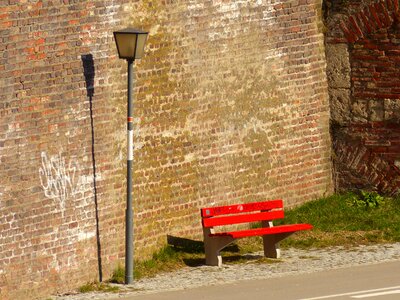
[[89, 72]]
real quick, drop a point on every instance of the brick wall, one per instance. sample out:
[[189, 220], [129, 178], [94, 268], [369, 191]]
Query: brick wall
[[231, 104], [363, 54]]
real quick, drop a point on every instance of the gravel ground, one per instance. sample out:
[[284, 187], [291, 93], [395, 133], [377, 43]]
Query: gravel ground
[[293, 261]]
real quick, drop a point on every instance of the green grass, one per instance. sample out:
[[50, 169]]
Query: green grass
[[339, 220], [165, 260], [98, 287]]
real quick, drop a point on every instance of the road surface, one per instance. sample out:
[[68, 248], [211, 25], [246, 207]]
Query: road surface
[[370, 282]]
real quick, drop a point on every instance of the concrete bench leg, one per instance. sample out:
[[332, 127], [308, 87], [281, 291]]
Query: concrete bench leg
[[213, 246], [271, 246], [271, 241]]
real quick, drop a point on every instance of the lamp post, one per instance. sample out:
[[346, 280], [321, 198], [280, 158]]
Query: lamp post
[[130, 45]]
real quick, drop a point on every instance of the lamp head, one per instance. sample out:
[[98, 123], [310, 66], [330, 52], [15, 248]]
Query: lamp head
[[130, 43]]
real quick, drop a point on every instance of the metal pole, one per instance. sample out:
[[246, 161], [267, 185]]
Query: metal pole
[[129, 207]]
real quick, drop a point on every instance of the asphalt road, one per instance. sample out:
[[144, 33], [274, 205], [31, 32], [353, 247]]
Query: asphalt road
[[371, 282]]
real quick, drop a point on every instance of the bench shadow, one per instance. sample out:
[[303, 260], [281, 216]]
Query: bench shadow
[[189, 246], [237, 258], [194, 262], [185, 245]]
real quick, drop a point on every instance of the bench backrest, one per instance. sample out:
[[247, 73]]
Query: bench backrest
[[242, 213]]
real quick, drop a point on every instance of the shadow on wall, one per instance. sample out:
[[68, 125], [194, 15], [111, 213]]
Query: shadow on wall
[[89, 73]]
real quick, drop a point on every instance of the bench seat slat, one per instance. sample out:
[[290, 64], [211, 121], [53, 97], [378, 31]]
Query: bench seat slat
[[265, 231], [240, 208], [246, 218]]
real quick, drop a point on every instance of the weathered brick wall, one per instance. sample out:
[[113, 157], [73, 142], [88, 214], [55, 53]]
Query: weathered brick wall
[[363, 54], [231, 104]]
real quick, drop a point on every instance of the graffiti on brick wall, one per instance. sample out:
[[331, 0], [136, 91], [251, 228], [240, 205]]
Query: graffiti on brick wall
[[60, 179]]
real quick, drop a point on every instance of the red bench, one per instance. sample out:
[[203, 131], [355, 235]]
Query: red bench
[[265, 212]]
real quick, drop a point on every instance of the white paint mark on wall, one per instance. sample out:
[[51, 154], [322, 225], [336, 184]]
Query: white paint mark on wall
[[82, 236], [60, 179]]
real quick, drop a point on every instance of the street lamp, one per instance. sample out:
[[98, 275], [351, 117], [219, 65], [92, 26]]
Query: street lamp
[[130, 45]]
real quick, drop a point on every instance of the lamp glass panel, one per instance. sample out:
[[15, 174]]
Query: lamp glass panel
[[126, 45], [140, 45]]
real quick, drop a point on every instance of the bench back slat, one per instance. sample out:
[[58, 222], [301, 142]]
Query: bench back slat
[[240, 208], [243, 218]]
